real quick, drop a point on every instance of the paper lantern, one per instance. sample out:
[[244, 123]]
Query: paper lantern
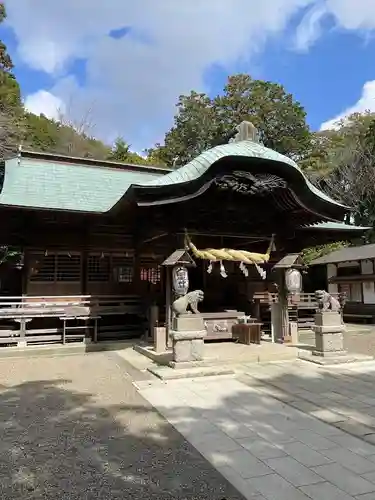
[[293, 281]]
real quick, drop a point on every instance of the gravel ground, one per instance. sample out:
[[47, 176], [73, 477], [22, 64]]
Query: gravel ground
[[74, 427]]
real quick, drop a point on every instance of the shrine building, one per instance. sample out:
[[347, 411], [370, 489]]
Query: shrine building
[[96, 233]]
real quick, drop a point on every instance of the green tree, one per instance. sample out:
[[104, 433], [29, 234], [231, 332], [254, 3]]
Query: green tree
[[280, 119], [202, 122], [346, 166], [41, 133], [154, 156], [120, 151], [194, 130], [312, 253], [11, 110], [6, 63]]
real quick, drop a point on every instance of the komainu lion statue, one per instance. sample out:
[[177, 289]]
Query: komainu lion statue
[[191, 299], [326, 302]]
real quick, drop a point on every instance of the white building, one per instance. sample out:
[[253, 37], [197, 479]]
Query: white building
[[351, 270]]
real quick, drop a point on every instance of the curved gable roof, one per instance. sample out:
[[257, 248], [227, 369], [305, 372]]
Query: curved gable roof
[[250, 149], [193, 179]]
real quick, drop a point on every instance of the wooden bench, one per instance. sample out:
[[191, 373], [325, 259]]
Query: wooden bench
[[247, 333], [85, 308]]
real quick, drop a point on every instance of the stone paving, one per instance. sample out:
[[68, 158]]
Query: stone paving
[[283, 431], [75, 428], [341, 396]]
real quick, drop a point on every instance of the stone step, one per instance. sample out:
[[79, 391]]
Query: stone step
[[168, 373]]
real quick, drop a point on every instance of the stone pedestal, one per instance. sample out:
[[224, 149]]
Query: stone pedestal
[[329, 342], [329, 339], [160, 339], [187, 335], [293, 332], [276, 329], [153, 319]]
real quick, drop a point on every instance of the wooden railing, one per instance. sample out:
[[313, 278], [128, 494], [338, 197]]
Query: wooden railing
[[301, 300], [301, 306], [31, 320], [266, 297]]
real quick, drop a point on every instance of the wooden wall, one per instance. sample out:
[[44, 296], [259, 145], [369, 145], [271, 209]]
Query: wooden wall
[[52, 272]]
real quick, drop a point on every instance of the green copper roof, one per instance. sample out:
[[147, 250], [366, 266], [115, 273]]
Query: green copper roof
[[45, 184], [42, 181], [197, 167], [337, 226]]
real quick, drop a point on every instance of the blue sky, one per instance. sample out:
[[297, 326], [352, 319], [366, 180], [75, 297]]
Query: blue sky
[[134, 75], [325, 80], [328, 78]]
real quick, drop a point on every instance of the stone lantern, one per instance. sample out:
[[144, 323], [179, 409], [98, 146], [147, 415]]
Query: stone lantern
[[177, 282]]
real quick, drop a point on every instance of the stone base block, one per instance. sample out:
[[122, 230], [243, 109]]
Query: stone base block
[[329, 318], [332, 354], [328, 322], [329, 339], [188, 370], [328, 343], [188, 323], [188, 346], [293, 331], [328, 329], [333, 359], [160, 339]]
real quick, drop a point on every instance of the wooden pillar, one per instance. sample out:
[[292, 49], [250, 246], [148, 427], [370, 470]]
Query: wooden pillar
[[84, 279], [137, 264], [25, 271], [256, 309], [86, 231]]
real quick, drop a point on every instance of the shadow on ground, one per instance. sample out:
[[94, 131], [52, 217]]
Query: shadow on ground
[[340, 396], [317, 417], [57, 442], [343, 400], [67, 437]]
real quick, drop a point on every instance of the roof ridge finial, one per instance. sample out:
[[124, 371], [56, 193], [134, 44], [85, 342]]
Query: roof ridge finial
[[247, 131]]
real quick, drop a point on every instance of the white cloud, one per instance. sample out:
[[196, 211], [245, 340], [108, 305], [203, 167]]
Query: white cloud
[[358, 15], [310, 28], [353, 14], [43, 102], [365, 103], [131, 84]]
